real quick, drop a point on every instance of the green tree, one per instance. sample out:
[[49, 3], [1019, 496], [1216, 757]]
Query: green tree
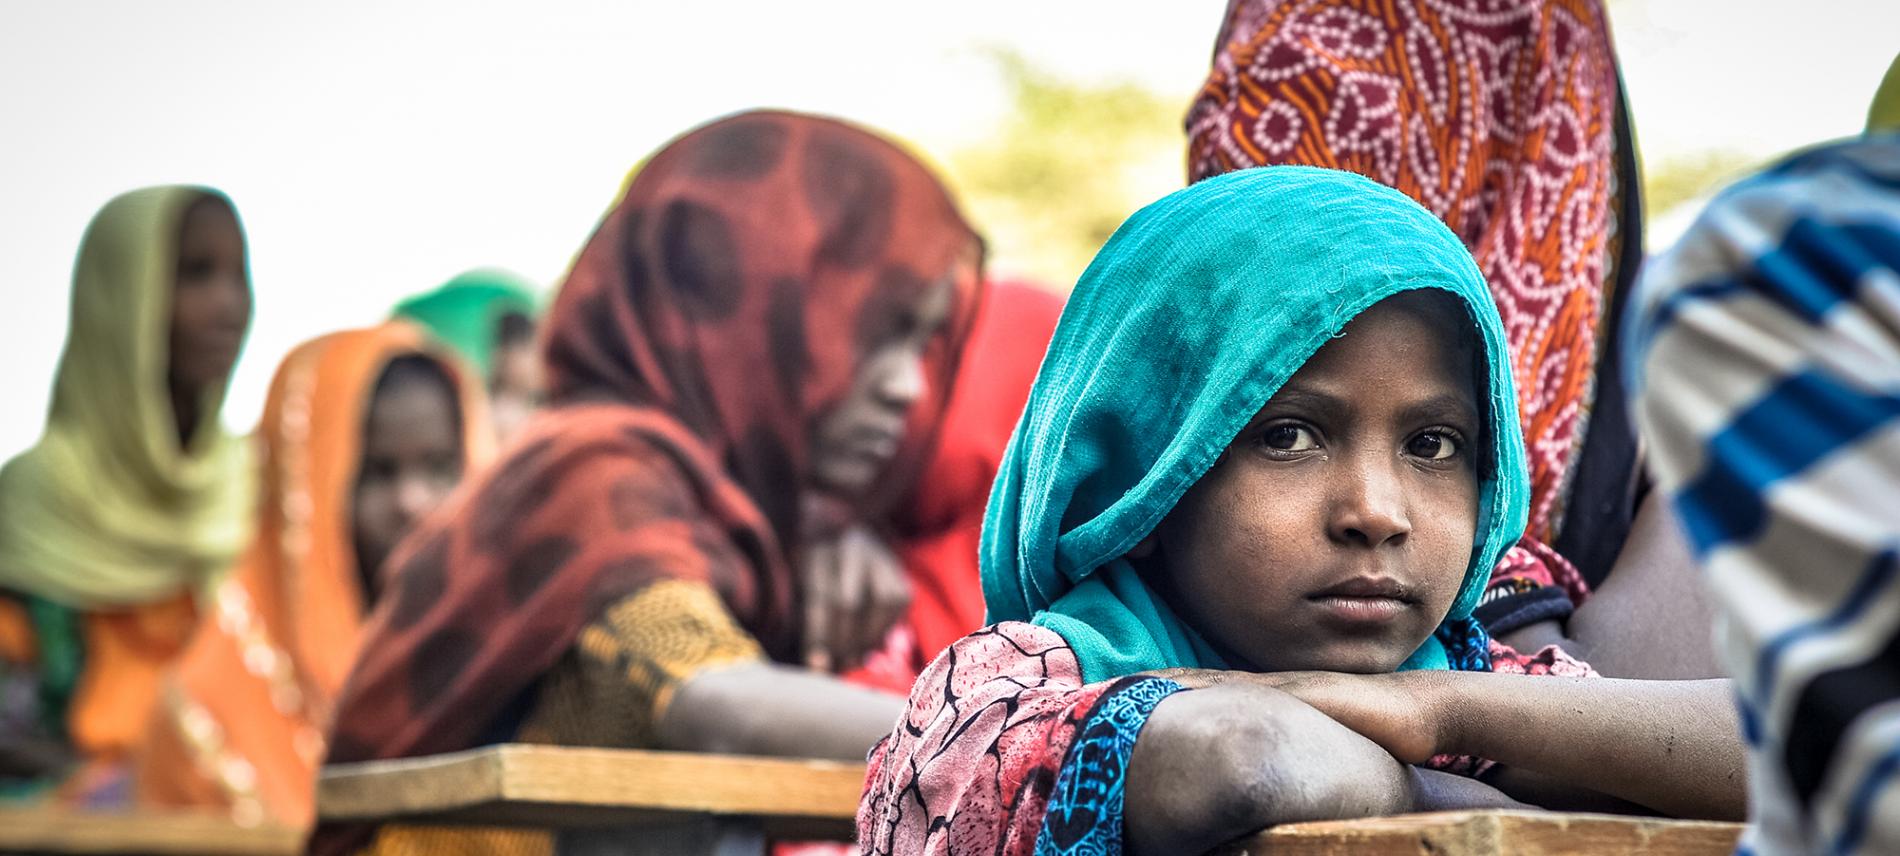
[[1065, 167]]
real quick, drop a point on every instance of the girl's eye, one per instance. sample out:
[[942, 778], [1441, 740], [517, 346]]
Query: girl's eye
[[1433, 446], [1288, 438], [194, 269]]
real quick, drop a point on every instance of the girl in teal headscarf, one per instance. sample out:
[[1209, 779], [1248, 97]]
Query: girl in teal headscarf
[[1270, 456]]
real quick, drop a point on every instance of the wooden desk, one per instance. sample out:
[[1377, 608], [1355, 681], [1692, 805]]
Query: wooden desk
[[51, 830], [629, 801], [565, 788], [1484, 833]]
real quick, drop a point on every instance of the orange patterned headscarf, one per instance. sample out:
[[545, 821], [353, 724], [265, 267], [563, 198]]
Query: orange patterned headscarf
[[1498, 116], [241, 722]]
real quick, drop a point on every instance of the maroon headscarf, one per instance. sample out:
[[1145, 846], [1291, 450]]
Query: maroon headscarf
[[728, 299]]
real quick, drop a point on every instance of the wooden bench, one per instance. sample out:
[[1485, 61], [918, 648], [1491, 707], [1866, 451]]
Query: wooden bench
[[53, 830], [1489, 833], [629, 801]]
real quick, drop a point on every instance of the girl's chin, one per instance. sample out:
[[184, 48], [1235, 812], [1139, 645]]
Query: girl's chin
[[1355, 656]]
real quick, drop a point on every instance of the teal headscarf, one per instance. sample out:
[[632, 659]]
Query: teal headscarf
[[1189, 319], [464, 311]]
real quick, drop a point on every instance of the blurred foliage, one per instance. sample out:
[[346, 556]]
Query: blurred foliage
[[1069, 161], [1065, 166], [1678, 180]]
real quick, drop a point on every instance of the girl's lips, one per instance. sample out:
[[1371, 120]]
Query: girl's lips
[[1365, 600], [1368, 587], [1361, 610]]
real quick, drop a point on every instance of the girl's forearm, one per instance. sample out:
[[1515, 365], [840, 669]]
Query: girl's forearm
[[771, 709], [1218, 763], [1672, 746]]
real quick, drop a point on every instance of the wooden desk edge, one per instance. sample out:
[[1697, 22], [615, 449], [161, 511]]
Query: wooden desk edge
[[1496, 831], [585, 781], [51, 830]]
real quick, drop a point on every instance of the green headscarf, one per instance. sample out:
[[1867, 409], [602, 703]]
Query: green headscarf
[[1189, 319], [106, 509], [464, 311]]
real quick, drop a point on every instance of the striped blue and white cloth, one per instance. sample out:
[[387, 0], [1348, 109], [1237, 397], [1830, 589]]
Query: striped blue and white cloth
[[1764, 357]]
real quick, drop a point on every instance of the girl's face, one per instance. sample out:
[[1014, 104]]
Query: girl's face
[[211, 297], [1334, 532], [412, 461], [855, 439]]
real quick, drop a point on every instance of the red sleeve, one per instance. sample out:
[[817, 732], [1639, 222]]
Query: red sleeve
[[971, 766]]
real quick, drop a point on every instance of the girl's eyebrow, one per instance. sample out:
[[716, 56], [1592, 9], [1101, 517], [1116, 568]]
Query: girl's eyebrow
[[1442, 407], [1304, 397]]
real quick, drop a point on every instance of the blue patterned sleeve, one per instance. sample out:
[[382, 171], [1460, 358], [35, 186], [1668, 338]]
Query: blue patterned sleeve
[[1085, 808]]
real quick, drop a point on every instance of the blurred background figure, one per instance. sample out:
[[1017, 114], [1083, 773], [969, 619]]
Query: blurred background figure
[[364, 433], [1512, 128], [734, 361], [936, 530], [134, 500], [1765, 358], [488, 317]]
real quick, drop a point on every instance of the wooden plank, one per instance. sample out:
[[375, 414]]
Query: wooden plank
[[564, 787], [53, 830], [1482, 833]]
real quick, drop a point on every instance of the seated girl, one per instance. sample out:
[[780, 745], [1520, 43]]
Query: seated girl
[[487, 316], [1269, 460], [732, 364], [365, 431], [133, 499]]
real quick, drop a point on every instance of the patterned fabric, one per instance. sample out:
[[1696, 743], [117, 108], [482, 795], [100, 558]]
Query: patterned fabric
[[971, 766], [1186, 323], [1006, 750], [728, 297], [630, 660], [241, 723], [411, 840], [1765, 360], [1085, 806], [1501, 119]]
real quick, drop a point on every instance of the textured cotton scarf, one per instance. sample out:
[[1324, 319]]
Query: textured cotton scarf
[[464, 312], [1187, 322], [108, 509]]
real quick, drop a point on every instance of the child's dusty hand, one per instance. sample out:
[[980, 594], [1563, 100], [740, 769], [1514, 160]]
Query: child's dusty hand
[[1401, 712], [1195, 679]]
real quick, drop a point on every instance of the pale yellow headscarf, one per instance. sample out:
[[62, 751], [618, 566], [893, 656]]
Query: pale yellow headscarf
[[107, 510], [1885, 114]]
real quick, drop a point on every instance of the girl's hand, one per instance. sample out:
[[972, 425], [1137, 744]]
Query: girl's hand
[[855, 590], [1404, 712]]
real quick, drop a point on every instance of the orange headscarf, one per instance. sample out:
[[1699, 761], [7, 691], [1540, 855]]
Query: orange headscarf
[[242, 718]]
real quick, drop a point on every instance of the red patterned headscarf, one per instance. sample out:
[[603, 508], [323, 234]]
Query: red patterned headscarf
[[1498, 116], [726, 300]]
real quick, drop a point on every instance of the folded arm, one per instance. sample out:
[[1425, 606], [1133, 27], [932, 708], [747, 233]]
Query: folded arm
[[1670, 746], [1217, 763]]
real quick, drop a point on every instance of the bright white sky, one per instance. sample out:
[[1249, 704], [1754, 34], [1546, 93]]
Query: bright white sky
[[375, 149]]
